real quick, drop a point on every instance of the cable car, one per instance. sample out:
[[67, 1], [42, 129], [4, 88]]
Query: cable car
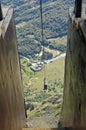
[[80, 9], [45, 86]]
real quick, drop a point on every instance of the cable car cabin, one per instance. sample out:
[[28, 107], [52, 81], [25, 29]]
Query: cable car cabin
[[80, 8], [45, 86]]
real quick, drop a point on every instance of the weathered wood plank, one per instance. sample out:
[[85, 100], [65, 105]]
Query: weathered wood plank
[[74, 105], [11, 97]]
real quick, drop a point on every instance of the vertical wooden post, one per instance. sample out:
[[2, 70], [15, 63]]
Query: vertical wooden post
[[11, 95], [74, 104], [1, 15], [78, 8]]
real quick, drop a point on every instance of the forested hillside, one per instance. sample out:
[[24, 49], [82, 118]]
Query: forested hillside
[[27, 17]]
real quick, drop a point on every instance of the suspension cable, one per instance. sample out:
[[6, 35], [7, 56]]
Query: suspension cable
[[42, 34]]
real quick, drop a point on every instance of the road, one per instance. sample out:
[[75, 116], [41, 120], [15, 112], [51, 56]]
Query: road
[[53, 59], [56, 58]]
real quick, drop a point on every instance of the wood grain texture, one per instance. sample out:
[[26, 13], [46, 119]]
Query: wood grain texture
[[11, 97], [38, 129], [74, 105]]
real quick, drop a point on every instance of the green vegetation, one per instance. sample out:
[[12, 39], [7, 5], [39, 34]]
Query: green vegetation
[[28, 26], [47, 55], [43, 102]]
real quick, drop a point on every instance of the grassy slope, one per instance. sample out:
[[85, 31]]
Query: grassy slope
[[53, 72], [33, 88]]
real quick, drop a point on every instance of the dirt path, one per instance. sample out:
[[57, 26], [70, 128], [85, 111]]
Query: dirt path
[[42, 122]]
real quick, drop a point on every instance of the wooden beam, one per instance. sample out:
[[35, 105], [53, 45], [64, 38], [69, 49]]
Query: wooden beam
[[1, 15]]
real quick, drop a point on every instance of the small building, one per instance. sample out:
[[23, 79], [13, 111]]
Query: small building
[[40, 64], [35, 68]]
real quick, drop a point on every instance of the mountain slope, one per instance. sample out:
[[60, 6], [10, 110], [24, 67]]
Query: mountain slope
[[27, 17]]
